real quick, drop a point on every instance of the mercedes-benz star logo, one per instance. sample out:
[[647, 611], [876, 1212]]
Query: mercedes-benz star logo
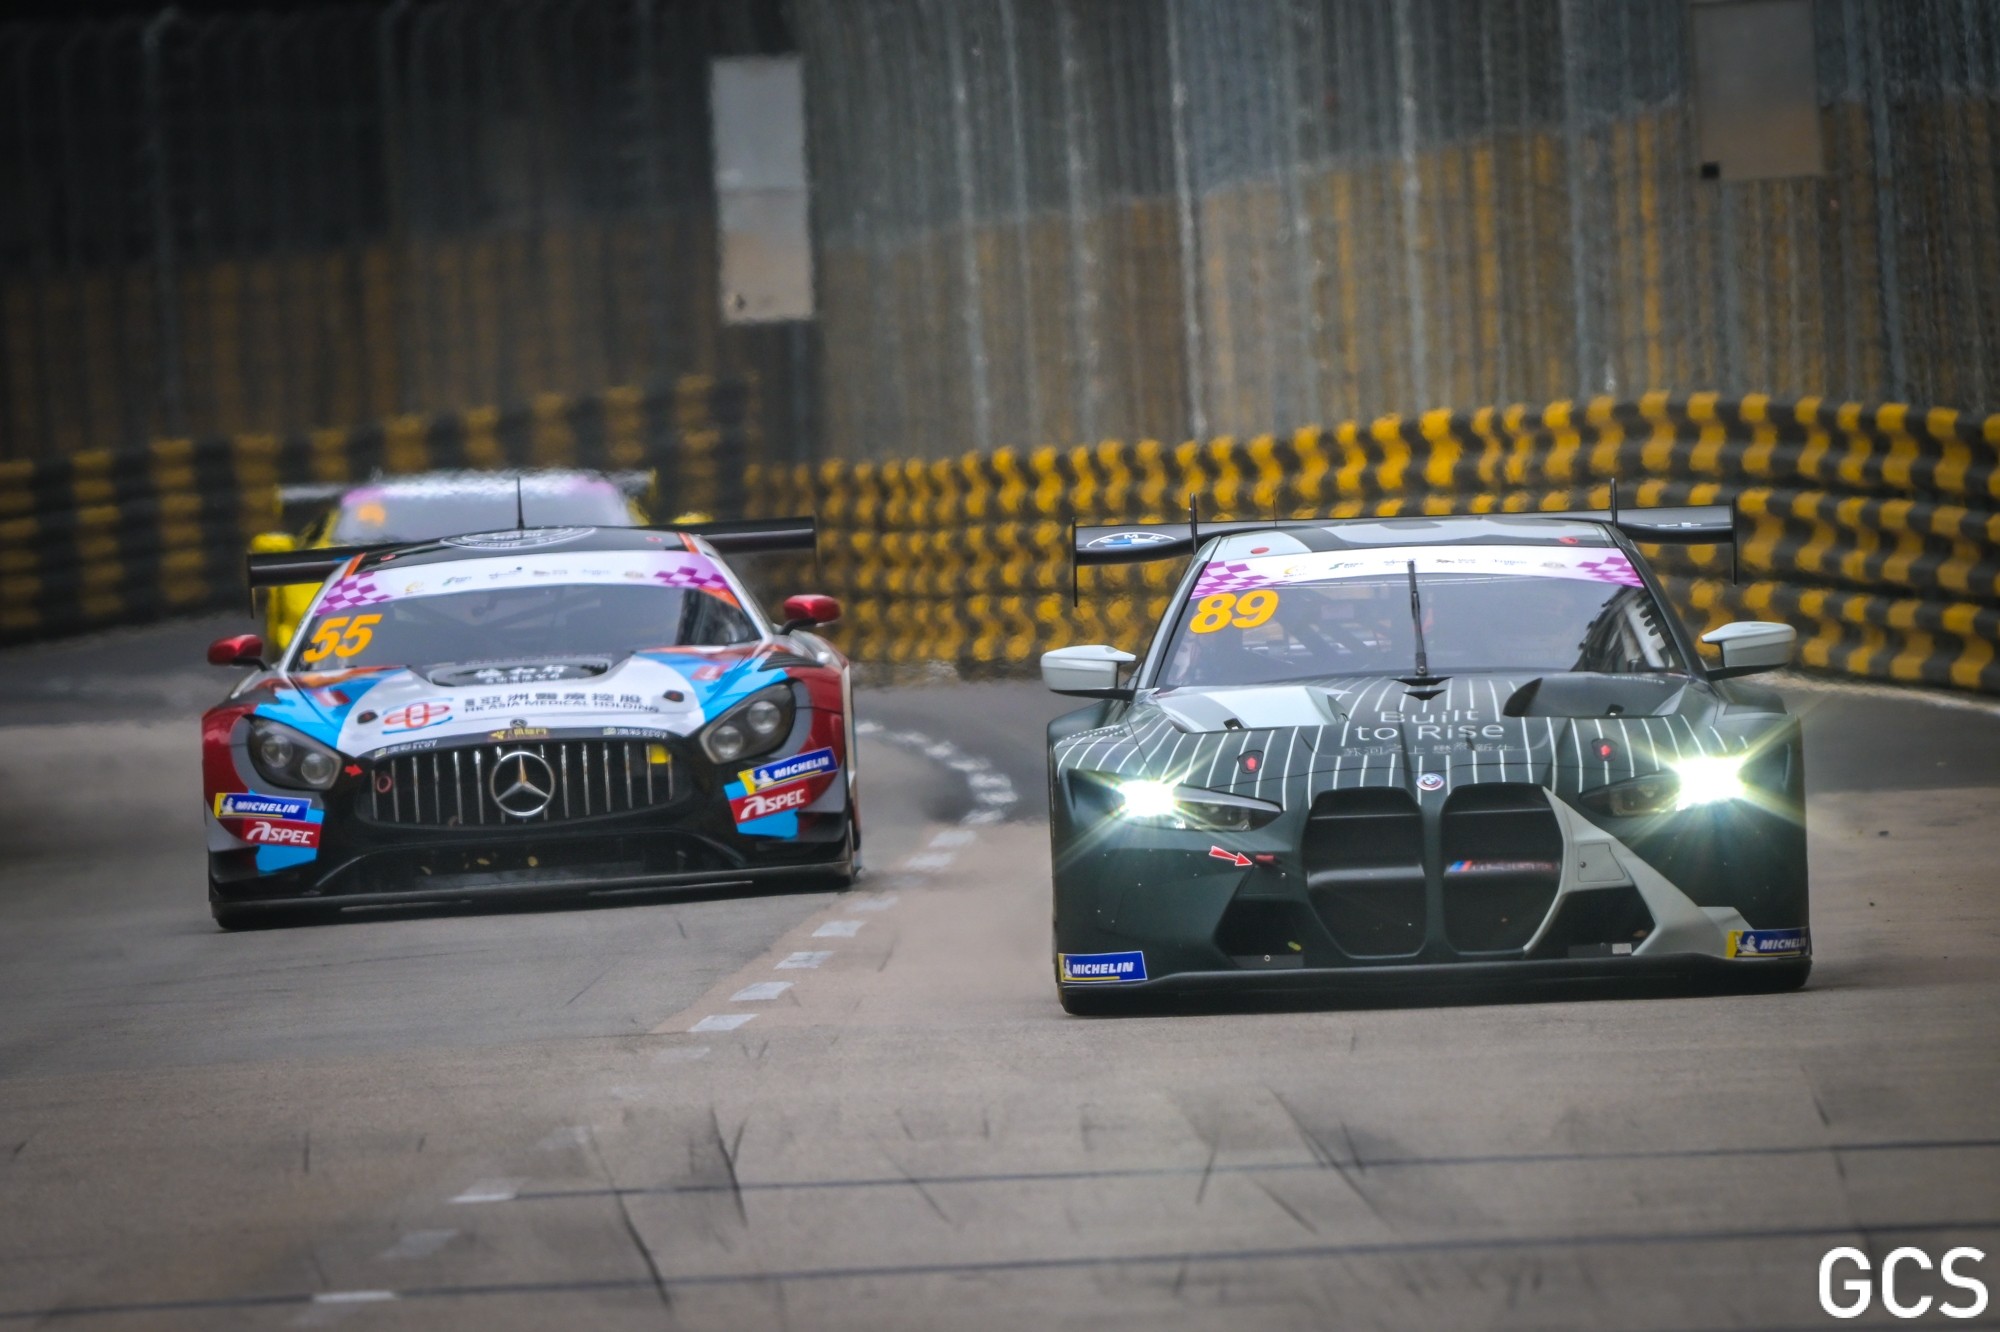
[[522, 784]]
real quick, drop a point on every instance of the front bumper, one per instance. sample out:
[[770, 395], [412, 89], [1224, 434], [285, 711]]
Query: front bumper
[[1506, 897]]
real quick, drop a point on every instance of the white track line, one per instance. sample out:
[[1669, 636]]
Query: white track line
[[491, 1191], [839, 929], [807, 961], [759, 991], [722, 1022]]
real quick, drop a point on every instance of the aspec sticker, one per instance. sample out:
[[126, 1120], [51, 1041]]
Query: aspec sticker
[[1101, 968], [279, 832], [1770, 943], [245, 805], [777, 800], [767, 775]]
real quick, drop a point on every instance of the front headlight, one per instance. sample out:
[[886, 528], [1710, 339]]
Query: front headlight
[[1689, 783], [1706, 781], [755, 726], [1157, 804], [285, 758]]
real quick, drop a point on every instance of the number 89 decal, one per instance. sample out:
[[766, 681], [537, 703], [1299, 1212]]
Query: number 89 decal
[[328, 641], [1248, 611]]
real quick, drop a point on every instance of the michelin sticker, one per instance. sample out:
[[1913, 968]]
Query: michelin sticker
[[776, 773], [244, 805], [1770, 943], [1102, 968]]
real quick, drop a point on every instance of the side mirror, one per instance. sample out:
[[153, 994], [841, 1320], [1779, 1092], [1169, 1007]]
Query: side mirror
[[804, 612], [1750, 646], [237, 650], [273, 543], [1087, 671]]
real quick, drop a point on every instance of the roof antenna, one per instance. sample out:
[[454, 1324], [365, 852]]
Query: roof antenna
[[1194, 520], [520, 509], [1614, 501], [1075, 574]]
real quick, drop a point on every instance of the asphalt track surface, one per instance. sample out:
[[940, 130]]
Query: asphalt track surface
[[640, 1117]]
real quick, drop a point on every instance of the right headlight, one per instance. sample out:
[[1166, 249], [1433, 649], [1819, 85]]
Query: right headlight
[[755, 726], [1687, 784], [1156, 804], [286, 758]]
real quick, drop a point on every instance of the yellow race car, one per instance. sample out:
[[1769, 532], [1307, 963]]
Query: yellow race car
[[430, 505]]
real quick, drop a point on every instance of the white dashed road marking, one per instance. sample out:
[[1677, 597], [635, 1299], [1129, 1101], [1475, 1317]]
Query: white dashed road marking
[[929, 861], [418, 1244], [759, 992], [839, 929], [353, 1296], [491, 1191], [882, 903], [953, 837], [722, 1022], [806, 961]]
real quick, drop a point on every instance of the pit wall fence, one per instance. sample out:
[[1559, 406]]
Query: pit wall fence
[[1874, 529], [103, 538]]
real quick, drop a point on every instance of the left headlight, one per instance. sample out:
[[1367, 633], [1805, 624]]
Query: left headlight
[[286, 758], [1157, 804], [755, 726]]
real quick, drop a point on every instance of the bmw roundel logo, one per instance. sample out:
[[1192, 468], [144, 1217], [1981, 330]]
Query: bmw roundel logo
[[1115, 540], [1431, 781]]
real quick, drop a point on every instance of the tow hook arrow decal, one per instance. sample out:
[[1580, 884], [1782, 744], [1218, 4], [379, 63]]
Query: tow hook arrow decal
[[1235, 858]]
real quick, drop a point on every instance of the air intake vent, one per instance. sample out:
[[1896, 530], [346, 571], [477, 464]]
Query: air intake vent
[[510, 784], [1503, 861], [1364, 857]]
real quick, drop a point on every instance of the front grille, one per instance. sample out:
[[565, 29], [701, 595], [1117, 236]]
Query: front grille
[[450, 788], [1502, 864], [1364, 858]]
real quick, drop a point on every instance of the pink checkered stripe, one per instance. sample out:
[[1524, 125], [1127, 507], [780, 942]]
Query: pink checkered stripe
[[1229, 576], [686, 575], [1612, 569], [349, 593]]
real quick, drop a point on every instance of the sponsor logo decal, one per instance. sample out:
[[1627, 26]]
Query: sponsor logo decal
[[520, 733], [279, 832], [1128, 540], [1101, 968], [518, 540], [1431, 781], [1235, 858], [780, 771], [777, 800], [248, 805], [1770, 943], [416, 716], [534, 700]]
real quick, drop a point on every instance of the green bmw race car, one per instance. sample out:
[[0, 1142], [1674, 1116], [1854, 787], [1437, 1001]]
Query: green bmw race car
[[1453, 753]]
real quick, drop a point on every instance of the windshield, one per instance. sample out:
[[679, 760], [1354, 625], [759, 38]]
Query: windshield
[[513, 623], [381, 514], [1319, 615]]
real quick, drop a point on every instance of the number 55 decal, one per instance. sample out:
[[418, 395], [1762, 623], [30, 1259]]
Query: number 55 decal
[[328, 641], [1245, 612]]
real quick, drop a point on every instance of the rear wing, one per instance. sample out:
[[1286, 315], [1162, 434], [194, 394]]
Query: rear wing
[[740, 536], [751, 536], [1131, 543]]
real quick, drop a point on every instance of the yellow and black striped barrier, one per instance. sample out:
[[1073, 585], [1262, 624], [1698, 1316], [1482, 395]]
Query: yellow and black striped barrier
[[99, 538], [1874, 529]]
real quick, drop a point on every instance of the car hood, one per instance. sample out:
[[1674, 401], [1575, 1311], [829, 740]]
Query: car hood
[[1386, 731], [668, 692]]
